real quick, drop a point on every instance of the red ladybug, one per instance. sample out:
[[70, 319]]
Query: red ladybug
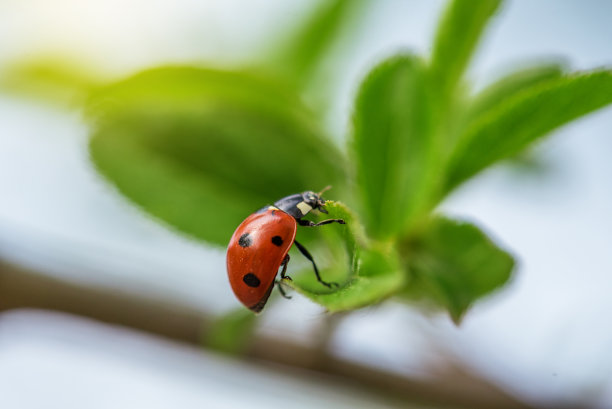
[[260, 246]]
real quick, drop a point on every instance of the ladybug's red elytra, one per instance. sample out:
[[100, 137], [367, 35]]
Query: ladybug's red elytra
[[260, 246]]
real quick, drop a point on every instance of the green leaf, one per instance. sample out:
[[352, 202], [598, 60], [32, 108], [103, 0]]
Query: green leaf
[[231, 333], [453, 264], [525, 118], [52, 79], [458, 34], [394, 151], [366, 275], [202, 149], [510, 85], [302, 52], [363, 289]]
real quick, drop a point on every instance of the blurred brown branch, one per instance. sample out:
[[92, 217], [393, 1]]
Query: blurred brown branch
[[454, 387]]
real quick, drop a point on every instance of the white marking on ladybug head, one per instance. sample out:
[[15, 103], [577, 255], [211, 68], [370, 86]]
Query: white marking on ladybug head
[[304, 207]]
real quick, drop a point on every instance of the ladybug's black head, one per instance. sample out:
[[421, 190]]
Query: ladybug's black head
[[300, 204], [315, 201]]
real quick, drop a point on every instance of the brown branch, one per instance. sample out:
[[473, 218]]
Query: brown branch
[[20, 288]]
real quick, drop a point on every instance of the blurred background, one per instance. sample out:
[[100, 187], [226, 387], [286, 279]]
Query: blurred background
[[104, 307]]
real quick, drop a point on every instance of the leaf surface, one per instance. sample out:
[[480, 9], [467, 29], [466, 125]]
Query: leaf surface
[[453, 264], [393, 147], [525, 118], [365, 275], [202, 149]]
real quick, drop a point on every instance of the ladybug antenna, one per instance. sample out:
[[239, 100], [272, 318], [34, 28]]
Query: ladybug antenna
[[325, 189]]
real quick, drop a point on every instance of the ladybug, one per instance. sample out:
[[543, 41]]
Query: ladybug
[[260, 246]]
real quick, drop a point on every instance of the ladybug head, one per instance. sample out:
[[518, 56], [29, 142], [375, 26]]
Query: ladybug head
[[314, 200]]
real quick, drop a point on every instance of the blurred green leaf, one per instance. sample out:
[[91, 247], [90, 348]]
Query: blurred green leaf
[[302, 52], [394, 151], [53, 79], [231, 332], [453, 264], [510, 85], [458, 34], [472, 109], [524, 118], [182, 85], [202, 149], [373, 274]]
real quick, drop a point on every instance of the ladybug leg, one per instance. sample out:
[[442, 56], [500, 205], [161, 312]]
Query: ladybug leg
[[308, 223], [309, 257], [279, 283], [284, 264]]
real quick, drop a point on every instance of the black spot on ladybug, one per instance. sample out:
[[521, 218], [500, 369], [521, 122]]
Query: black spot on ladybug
[[273, 212], [251, 280], [245, 240], [277, 241]]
